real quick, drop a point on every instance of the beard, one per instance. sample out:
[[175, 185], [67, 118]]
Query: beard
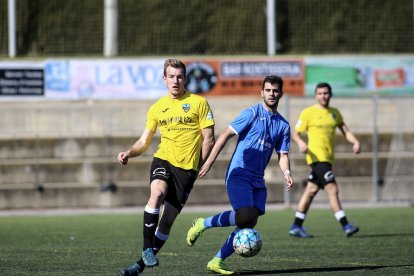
[[324, 103], [271, 105]]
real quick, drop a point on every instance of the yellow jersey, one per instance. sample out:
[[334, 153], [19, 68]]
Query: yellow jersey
[[180, 122], [320, 124]]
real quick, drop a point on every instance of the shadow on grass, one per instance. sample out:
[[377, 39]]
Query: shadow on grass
[[382, 235], [319, 269]]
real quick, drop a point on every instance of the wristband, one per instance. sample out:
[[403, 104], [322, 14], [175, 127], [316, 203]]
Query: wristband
[[286, 173]]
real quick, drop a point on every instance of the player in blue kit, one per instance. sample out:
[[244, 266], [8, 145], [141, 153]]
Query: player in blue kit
[[261, 129]]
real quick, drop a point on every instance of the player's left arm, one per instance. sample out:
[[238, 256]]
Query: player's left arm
[[284, 164], [207, 144], [350, 137]]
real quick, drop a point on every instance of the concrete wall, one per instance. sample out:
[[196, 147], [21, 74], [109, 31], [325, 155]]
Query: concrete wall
[[116, 118], [69, 148]]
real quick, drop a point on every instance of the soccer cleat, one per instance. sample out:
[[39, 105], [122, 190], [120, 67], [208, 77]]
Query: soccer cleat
[[133, 270], [195, 231], [149, 258], [350, 230], [299, 232], [216, 265]]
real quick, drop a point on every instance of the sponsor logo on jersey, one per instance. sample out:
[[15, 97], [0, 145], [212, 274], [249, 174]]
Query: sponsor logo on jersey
[[264, 143], [186, 107]]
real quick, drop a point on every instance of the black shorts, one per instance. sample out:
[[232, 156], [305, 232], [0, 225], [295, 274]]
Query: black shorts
[[321, 174], [180, 182]]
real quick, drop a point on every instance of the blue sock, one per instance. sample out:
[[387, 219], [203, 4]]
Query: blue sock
[[224, 219], [227, 249]]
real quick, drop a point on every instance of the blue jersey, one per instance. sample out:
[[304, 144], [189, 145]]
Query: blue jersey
[[259, 131]]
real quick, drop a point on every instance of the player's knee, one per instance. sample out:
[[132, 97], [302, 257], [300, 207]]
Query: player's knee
[[332, 189], [246, 217], [311, 190], [312, 193], [157, 196]]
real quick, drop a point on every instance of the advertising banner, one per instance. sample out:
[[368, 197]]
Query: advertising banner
[[142, 79], [218, 77], [21, 79], [105, 79], [351, 76]]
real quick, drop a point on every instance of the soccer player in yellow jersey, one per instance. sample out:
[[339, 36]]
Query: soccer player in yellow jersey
[[320, 122], [186, 125]]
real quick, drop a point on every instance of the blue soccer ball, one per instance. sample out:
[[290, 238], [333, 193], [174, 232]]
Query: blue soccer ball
[[247, 242]]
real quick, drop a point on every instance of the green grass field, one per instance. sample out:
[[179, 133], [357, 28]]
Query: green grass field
[[102, 244]]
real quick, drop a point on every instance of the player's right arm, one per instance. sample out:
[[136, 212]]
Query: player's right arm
[[218, 146], [303, 147], [139, 147], [300, 127]]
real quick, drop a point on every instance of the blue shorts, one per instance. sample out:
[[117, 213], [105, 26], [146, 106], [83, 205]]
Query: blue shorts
[[244, 191]]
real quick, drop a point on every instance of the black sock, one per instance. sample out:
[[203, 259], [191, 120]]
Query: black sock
[[158, 244], [298, 221], [341, 217], [299, 218], [150, 225], [343, 221], [141, 264]]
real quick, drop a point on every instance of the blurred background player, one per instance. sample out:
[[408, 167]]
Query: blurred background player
[[261, 129], [186, 127], [320, 122]]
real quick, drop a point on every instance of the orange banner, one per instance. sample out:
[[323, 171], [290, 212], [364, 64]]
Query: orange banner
[[389, 77], [226, 77]]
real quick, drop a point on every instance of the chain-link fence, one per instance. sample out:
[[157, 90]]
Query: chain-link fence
[[219, 27]]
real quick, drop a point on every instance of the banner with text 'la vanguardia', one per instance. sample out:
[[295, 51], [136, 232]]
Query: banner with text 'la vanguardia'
[[143, 79], [105, 79]]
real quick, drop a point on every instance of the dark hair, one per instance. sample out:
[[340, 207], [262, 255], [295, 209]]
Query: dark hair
[[174, 63], [272, 80], [322, 85]]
